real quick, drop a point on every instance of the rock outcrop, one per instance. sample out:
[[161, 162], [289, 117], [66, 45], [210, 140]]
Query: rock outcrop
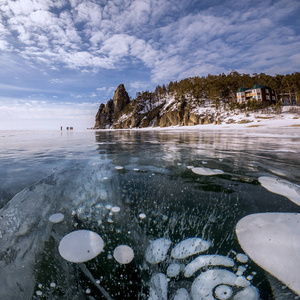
[[107, 113], [149, 109]]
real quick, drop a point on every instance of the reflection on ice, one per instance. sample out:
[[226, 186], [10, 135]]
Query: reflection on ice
[[132, 207]]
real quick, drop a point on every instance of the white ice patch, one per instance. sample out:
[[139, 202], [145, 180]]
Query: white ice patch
[[204, 285], [142, 216], [189, 247], [123, 254], [272, 240], [182, 294], [56, 218], [223, 292], [159, 287], [243, 258], [80, 246], [190, 167], [207, 260], [240, 270], [249, 293], [281, 187], [173, 270], [206, 171], [157, 250], [115, 209]]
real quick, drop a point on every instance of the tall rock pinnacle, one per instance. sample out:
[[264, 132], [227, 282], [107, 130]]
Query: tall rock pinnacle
[[107, 113], [121, 99]]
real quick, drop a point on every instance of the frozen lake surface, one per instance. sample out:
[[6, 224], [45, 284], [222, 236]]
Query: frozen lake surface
[[157, 211]]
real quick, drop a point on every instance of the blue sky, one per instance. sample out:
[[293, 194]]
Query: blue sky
[[60, 59]]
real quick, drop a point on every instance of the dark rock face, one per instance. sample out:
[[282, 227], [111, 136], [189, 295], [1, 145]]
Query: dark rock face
[[120, 99], [151, 110], [107, 113]]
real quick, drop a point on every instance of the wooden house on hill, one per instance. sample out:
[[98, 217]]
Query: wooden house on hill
[[258, 92]]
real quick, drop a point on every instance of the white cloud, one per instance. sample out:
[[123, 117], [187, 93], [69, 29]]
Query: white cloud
[[35, 114], [169, 40]]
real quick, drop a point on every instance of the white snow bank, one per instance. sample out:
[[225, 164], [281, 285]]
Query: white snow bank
[[157, 250], [272, 240], [204, 285], [80, 246], [207, 260], [189, 247], [281, 187], [206, 171], [123, 254], [56, 218]]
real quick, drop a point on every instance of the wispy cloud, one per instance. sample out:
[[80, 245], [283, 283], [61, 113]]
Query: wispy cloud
[[167, 40]]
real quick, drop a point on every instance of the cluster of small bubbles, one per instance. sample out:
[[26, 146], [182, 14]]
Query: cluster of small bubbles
[[210, 284]]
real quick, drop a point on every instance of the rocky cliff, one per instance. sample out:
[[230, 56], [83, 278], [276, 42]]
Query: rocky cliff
[[108, 113], [150, 109]]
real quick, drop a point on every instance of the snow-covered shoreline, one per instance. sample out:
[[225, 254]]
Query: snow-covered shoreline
[[250, 121]]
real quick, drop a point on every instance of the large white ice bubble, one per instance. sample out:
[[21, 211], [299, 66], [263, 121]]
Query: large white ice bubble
[[207, 260], [157, 250], [182, 294], [272, 240], [158, 287], [123, 254], [204, 285], [80, 246], [281, 187], [206, 171], [189, 247], [56, 218]]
